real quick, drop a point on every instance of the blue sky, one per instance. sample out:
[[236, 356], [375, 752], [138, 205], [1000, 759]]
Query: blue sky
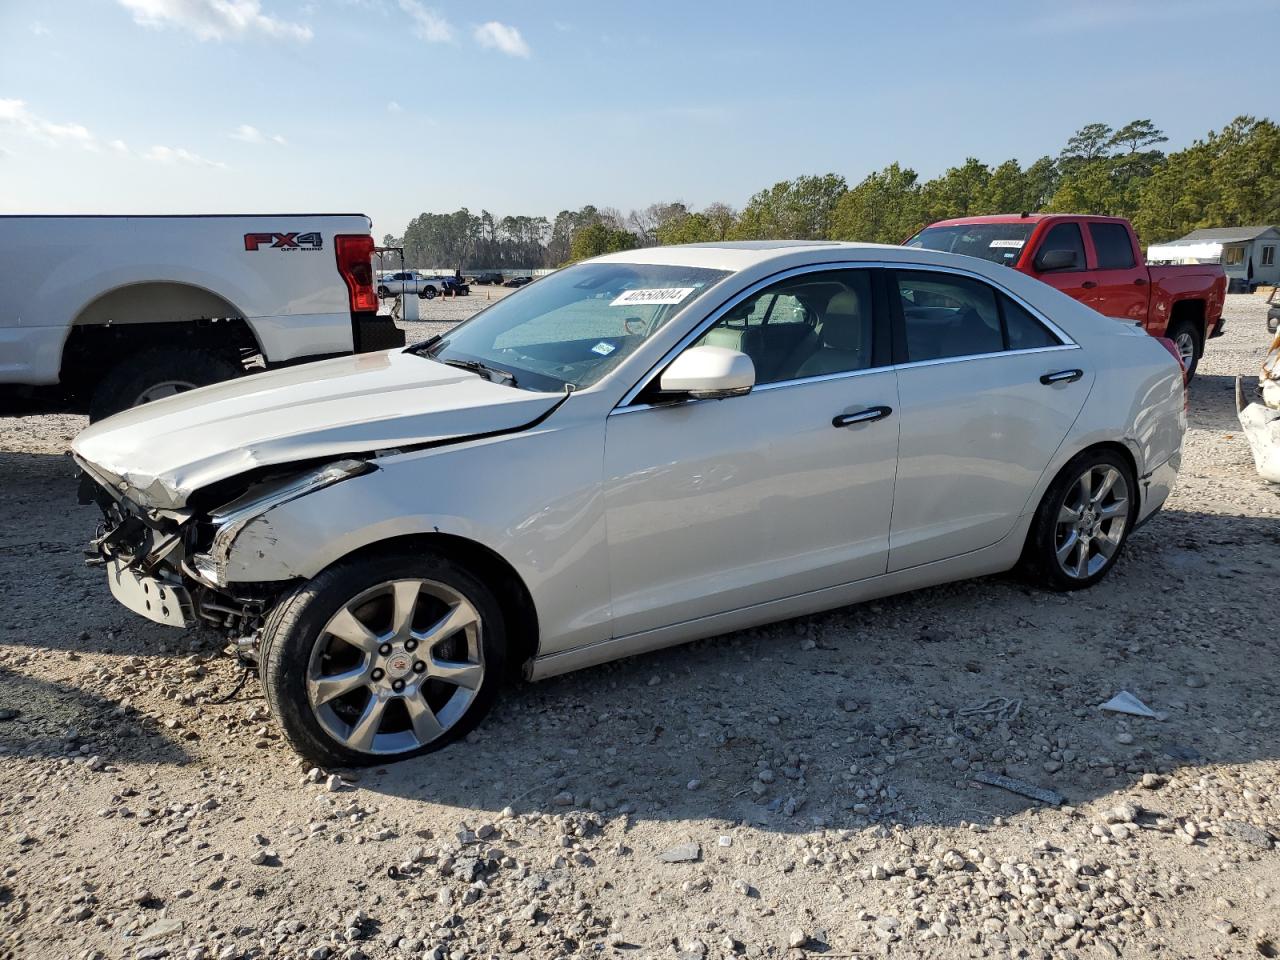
[[392, 107]]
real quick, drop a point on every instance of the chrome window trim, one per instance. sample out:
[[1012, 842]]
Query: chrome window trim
[[627, 404]]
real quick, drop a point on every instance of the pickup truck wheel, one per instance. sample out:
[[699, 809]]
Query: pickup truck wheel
[[156, 374], [1190, 344], [383, 293], [382, 659], [1083, 522], [427, 293]]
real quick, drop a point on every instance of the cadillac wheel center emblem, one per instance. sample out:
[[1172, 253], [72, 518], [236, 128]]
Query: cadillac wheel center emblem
[[399, 666]]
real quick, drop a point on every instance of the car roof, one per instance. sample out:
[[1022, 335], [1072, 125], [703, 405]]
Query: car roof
[[736, 255]]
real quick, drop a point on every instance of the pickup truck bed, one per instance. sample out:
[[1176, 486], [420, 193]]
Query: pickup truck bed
[[108, 311]]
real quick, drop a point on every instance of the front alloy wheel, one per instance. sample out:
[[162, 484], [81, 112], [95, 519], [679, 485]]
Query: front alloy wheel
[[382, 660]]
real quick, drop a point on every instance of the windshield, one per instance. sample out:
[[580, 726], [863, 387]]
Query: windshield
[[997, 242], [573, 326]]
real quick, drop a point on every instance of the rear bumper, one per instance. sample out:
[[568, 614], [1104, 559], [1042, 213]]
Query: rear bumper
[[1156, 487], [371, 331]]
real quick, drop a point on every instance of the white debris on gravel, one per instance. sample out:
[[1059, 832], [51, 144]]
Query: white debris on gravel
[[836, 810]]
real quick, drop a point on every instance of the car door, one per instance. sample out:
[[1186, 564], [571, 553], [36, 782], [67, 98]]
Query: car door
[[714, 505], [1122, 287], [1072, 279], [987, 392]]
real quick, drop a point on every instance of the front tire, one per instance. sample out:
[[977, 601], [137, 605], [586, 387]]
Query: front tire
[[1083, 522], [1190, 343], [156, 374], [382, 659]]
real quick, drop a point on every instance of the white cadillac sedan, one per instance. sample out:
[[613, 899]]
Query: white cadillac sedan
[[638, 450]]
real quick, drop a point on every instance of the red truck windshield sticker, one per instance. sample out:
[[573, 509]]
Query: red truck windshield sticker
[[283, 241]]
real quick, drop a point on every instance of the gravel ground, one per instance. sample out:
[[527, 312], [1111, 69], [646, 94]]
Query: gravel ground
[[807, 789]]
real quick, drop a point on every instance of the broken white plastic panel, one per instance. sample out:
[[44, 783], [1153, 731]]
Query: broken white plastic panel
[[1261, 425], [1126, 702]]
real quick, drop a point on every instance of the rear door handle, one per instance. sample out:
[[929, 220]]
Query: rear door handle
[[1062, 376], [1141, 282], [869, 415], [1089, 284]]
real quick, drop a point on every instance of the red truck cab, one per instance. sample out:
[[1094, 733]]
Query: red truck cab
[[1098, 261]]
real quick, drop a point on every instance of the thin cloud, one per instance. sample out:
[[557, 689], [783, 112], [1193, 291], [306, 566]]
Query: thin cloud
[[250, 134], [119, 146], [394, 107], [39, 29], [15, 114], [503, 37], [428, 24], [175, 155], [215, 19]]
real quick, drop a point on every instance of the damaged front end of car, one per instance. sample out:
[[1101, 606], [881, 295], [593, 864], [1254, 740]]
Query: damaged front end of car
[[170, 564]]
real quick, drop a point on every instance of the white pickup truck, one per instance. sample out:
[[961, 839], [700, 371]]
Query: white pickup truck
[[109, 312]]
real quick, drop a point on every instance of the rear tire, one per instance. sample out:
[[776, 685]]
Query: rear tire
[[417, 685], [1083, 522], [154, 374], [429, 293], [1190, 343]]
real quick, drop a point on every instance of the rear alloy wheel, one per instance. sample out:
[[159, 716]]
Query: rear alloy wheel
[[1187, 340], [428, 293], [158, 373], [1083, 522], [382, 660]]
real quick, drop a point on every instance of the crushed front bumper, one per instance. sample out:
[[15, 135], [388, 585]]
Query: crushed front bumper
[[161, 601]]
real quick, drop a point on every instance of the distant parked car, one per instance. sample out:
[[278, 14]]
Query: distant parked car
[[487, 279], [518, 281], [453, 285], [410, 281]]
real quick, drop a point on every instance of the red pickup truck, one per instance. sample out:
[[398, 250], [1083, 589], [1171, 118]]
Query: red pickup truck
[[1096, 260]]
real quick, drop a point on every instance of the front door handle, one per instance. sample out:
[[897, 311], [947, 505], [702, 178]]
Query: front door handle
[[1062, 376], [869, 415]]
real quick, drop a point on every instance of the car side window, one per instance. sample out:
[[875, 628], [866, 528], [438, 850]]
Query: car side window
[[1022, 330], [1062, 249], [947, 316], [807, 326], [1111, 244]]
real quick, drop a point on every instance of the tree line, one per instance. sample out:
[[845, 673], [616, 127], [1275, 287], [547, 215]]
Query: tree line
[[1230, 177]]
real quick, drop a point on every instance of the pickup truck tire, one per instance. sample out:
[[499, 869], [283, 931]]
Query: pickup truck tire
[[1083, 522], [1190, 343], [383, 293], [427, 293], [153, 374], [428, 656]]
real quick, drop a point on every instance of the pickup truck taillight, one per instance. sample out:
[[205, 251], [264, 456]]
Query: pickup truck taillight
[[355, 263]]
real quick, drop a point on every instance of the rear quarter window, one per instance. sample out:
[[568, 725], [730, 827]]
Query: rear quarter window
[[1111, 244]]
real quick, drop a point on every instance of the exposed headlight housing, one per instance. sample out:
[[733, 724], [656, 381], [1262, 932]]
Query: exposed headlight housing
[[231, 518]]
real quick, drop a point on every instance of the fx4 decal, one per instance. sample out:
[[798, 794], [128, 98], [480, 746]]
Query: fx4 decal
[[284, 241]]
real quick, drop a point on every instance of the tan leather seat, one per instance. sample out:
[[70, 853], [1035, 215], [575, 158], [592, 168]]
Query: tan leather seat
[[843, 337]]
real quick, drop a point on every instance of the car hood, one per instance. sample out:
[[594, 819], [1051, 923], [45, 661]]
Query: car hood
[[162, 452]]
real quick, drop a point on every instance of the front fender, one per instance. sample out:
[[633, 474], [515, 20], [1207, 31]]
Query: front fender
[[533, 498]]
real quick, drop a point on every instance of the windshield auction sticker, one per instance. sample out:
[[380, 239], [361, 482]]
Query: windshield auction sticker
[[1016, 244], [651, 297]]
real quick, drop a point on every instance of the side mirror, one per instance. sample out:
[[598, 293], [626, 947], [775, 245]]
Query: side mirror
[[1057, 260], [708, 373]]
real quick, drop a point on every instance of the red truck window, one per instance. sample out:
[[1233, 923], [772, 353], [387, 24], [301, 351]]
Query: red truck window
[[1066, 237], [1111, 244]]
